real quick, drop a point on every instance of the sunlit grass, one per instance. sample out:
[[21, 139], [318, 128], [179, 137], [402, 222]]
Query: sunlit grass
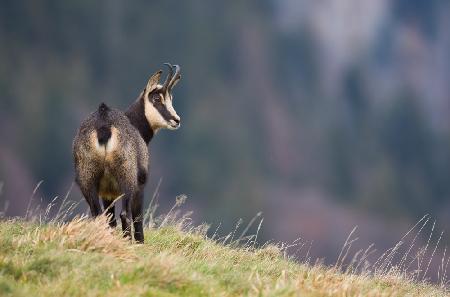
[[84, 257]]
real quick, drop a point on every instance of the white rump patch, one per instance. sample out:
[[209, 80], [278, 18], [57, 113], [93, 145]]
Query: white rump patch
[[110, 146]]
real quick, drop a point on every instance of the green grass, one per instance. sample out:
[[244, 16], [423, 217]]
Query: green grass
[[86, 258]]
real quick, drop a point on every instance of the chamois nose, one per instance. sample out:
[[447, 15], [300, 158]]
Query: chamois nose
[[176, 120]]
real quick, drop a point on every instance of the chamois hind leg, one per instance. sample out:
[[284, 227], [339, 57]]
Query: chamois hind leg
[[136, 208], [125, 215], [109, 211], [91, 196]]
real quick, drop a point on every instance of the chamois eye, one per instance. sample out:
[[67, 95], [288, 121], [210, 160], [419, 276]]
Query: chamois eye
[[157, 98]]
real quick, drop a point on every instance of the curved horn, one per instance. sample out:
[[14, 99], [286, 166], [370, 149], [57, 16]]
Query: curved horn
[[175, 77], [169, 77]]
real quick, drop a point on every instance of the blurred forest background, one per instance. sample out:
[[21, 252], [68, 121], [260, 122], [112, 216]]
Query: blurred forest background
[[321, 114]]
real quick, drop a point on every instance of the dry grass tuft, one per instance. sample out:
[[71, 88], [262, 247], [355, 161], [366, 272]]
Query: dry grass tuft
[[270, 251], [84, 234]]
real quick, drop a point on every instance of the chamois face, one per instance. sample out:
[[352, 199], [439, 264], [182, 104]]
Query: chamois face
[[158, 98]]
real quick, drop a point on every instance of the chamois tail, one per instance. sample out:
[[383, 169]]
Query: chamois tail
[[103, 127]]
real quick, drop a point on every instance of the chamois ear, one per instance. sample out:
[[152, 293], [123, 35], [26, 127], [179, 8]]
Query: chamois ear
[[153, 81]]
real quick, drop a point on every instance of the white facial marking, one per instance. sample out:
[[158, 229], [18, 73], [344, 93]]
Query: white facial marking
[[170, 108], [173, 125], [155, 119]]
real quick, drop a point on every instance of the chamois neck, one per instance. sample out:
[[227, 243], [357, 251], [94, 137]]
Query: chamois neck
[[136, 115]]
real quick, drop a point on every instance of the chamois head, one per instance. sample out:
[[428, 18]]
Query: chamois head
[[157, 98]]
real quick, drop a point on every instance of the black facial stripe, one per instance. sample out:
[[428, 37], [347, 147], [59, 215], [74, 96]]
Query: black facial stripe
[[161, 108], [156, 99]]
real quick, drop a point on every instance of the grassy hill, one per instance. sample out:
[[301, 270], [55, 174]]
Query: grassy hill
[[85, 258]]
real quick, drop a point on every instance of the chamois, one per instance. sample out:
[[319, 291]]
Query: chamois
[[110, 151]]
